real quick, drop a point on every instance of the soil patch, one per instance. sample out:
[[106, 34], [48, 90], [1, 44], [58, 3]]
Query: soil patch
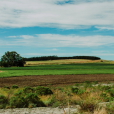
[[22, 81]]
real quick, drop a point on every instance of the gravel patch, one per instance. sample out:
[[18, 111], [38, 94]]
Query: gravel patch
[[39, 110]]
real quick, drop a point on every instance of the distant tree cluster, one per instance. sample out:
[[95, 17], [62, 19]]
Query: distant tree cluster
[[11, 59], [14, 59], [44, 58]]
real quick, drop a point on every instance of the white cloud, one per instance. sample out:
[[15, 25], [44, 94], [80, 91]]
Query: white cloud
[[105, 27], [57, 40], [78, 14]]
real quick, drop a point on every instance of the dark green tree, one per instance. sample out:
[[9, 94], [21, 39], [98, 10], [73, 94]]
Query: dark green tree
[[12, 59]]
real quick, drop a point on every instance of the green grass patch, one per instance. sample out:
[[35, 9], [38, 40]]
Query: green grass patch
[[63, 69]]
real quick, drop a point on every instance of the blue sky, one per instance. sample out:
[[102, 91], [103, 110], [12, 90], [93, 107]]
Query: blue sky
[[57, 27]]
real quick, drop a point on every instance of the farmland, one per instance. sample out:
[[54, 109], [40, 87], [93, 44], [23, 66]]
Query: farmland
[[73, 82], [58, 69], [57, 72]]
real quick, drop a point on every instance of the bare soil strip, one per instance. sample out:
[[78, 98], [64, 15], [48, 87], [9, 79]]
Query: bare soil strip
[[54, 79]]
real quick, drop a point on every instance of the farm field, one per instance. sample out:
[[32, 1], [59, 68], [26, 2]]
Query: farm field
[[59, 69], [91, 79], [45, 74], [54, 80]]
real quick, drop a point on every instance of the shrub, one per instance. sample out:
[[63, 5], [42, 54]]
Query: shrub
[[18, 102], [95, 82], [88, 106], [40, 90], [28, 90], [105, 96], [15, 87], [6, 87], [77, 90], [110, 107], [111, 92], [53, 102], [105, 87], [87, 84], [3, 101], [33, 99], [25, 100], [19, 93], [74, 90]]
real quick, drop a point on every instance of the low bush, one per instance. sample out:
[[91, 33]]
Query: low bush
[[28, 90], [32, 98], [25, 101], [105, 96], [6, 87], [40, 90], [106, 87], [77, 90], [88, 84], [15, 87], [88, 106], [53, 102], [110, 107], [3, 101], [111, 92], [18, 102]]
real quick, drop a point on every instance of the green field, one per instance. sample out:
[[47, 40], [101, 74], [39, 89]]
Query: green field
[[60, 69]]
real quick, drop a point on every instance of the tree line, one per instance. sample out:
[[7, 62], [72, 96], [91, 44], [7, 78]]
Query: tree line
[[14, 59], [44, 58]]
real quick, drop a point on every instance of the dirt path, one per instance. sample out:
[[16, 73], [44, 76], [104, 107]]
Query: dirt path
[[53, 79]]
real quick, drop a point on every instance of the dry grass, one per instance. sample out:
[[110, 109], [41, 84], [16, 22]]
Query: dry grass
[[64, 97], [100, 111], [65, 61]]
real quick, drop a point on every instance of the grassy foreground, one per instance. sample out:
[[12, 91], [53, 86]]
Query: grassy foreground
[[88, 96], [58, 69]]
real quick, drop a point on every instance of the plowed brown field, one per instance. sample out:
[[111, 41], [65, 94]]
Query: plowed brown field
[[53, 79]]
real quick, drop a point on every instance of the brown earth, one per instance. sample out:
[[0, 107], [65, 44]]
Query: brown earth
[[22, 81]]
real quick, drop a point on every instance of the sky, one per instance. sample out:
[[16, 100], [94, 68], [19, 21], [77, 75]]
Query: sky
[[36, 28]]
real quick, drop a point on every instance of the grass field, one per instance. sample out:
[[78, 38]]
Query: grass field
[[57, 67]]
